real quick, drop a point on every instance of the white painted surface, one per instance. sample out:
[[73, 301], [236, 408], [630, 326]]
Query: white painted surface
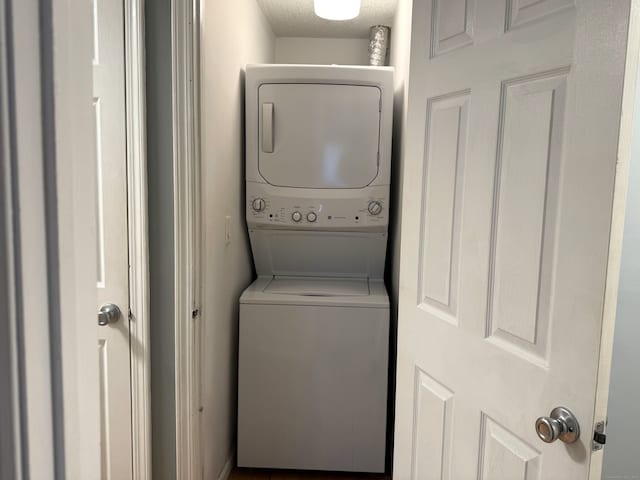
[[48, 243], [186, 200], [296, 18], [322, 51], [76, 193], [24, 199], [112, 238], [232, 35], [161, 236], [625, 145], [399, 59], [524, 222], [138, 218], [621, 458]]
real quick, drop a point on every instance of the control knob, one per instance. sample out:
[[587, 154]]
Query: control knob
[[312, 217], [258, 204], [296, 216], [375, 207]]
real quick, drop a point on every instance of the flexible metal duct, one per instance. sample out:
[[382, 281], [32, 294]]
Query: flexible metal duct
[[378, 45]]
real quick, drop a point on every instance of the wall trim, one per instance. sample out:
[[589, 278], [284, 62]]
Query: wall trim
[[620, 191], [138, 232], [228, 466], [185, 18]]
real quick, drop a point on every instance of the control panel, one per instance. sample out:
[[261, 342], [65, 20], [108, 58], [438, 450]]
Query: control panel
[[325, 213]]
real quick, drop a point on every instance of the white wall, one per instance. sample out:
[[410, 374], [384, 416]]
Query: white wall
[[621, 458], [341, 51], [161, 245], [399, 59], [233, 34]]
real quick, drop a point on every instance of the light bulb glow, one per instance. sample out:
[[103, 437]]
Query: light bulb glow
[[337, 9]]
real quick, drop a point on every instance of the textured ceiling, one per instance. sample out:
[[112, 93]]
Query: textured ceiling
[[295, 18]]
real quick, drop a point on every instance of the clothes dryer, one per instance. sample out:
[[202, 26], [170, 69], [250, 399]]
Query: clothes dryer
[[314, 326]]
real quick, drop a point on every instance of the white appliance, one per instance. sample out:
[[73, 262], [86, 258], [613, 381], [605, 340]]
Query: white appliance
[[314, 326]]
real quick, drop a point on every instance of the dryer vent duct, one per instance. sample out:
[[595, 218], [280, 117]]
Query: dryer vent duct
[[379, 45]]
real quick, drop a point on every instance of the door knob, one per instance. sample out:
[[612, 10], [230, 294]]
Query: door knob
[[560, 424], [108, 313]]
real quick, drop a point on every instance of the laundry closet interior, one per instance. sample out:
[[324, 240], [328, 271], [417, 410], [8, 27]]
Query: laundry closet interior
[[509, 162], [232, 36]]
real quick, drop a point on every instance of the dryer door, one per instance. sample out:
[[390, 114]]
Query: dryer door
[[318, 135]]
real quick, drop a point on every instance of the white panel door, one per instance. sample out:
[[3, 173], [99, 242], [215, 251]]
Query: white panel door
[[514, 108], [113, 288]]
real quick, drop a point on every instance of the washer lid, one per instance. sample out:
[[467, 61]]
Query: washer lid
[[257, 294], [318, 287]]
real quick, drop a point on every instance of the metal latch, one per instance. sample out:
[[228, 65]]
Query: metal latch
[[599, 437]]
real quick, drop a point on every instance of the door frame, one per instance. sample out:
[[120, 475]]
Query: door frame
[[185, 68], [138, 238], [621, 186]]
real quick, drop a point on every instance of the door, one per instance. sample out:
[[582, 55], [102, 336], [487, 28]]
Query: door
[[112, 267], [514, 109], [319, 136]]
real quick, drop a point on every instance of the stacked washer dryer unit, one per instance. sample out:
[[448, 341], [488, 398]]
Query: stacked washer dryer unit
[[314, 326]]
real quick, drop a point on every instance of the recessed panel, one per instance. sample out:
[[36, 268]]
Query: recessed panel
[[104, 409], [100, 245], [504, 456], [445, 152], [433, 410], [452, 25], [526, 196], [520, 12], [96, 33]]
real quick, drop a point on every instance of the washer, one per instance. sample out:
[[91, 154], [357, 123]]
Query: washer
[[312, 385]]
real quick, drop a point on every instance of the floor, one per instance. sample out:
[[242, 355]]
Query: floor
[[257, 474]]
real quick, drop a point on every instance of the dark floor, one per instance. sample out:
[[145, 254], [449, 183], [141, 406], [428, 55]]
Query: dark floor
[[259, 474]]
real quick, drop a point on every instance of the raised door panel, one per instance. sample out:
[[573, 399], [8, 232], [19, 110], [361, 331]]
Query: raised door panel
[[521, 12], [445, 153], [525, 213], [504, 456], [432, 438], [452, 25]]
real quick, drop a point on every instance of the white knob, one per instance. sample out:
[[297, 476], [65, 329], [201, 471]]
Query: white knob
[[312, 217], [375, 208], [258, 204], [296, 216]]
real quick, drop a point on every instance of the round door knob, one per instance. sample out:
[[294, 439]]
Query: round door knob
[[108, 313], [375, 208], [296, 216], [312, 217], [560, 424]]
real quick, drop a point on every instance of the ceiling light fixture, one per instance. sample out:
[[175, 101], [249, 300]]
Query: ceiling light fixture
[[337, 9]]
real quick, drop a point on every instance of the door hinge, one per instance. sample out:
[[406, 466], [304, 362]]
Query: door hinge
[[599, 437]]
